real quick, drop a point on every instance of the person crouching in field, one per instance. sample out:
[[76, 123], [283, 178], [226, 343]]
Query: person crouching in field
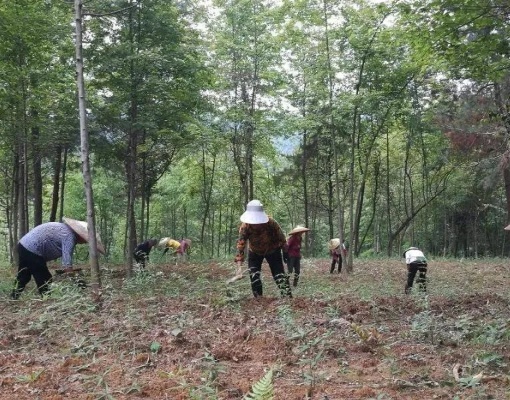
[[183, 250], [416, 263], [292, 252], [47, 242], [336, 251], [167, 243], [265, 240], [180, 248], [142, 250]]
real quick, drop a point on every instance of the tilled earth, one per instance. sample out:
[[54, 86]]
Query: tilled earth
[[181, 332]]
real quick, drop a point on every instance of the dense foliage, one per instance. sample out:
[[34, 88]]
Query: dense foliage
[[385, 124]]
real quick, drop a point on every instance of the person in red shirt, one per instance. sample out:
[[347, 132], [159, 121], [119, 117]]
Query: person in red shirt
[[264, 239], [183, 250], [292, 252]]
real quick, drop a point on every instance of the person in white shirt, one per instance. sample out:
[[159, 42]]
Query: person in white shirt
[[416, 263]]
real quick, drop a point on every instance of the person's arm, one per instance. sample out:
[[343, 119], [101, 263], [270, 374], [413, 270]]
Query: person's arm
[[280, 235], [68, 243], [241, 244]]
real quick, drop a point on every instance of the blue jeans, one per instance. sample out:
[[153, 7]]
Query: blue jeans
[[275, 262]]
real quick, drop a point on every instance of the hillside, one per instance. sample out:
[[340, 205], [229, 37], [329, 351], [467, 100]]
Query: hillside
[[179, 332]]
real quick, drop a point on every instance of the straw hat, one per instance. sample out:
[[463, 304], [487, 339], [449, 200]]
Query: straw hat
[[81, 229], [507, 228], [298, 229], [333, 244], [162, 243], [254, 213]]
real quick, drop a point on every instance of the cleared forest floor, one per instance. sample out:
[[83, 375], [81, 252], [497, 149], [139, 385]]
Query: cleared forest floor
[[180, 332]]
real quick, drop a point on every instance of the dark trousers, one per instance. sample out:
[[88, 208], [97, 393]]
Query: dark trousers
[[141, 257], [294, 266], [333, 263], [412, 269], [275, 262], [29, 265]]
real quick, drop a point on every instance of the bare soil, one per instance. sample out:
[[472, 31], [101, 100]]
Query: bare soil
[[180, 332]]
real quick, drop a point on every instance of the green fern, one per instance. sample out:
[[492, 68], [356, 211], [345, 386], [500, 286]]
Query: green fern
[[263, 389]]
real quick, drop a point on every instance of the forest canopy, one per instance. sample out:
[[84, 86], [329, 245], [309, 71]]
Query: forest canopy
[[385, 124]]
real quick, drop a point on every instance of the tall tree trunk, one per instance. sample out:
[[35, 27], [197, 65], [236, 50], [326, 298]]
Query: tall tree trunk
[[85, 160], [37, 176], [334, 139], [132, 152], [22, 179], [63, 184], [207, 187], [57, 165]]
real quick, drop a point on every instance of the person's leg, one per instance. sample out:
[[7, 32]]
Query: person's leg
[[411, 273], [23, 276], [139, 257], [42, 277], [340, 261], [275, 262], [290, 265], [255, 266], [333, 263], [297, 270], [421, 281], [31, 264]]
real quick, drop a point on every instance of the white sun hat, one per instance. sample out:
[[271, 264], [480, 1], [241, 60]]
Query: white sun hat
[[81, 229], [254, 213]]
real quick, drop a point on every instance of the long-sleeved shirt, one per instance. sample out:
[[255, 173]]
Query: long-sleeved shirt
[[145, 247], [293, 246], [172, 244], [415, 256], [262, 238], [184, 246], [50, 241]]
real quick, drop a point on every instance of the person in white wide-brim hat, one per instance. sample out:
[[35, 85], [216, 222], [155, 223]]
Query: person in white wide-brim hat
[[46, 242], [292, 252], [265, 240]]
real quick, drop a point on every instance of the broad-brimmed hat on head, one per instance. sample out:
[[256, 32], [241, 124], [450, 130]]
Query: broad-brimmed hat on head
[[162, 242], [81, 229], [333, 243], [254, 213], [410, 248], [507, 228], [298, 229]]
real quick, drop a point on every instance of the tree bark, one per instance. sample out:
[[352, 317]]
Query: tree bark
[[85, 160], [57, 165]]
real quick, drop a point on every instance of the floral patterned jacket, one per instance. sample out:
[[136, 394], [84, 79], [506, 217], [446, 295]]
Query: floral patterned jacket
[[261, 238]]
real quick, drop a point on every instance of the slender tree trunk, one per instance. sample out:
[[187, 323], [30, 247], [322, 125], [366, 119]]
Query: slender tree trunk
[[132, 152], [22, 191], [63, 184], [57, 164], [85, 160], [37, 175], [334, 140]]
